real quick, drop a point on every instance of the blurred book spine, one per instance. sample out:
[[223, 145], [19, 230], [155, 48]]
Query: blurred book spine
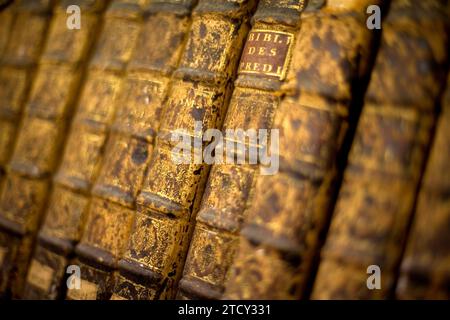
[[7, 16], [18, 204], [67, 54], [84, 152], [128, 150], [425, 268], [386, 161]]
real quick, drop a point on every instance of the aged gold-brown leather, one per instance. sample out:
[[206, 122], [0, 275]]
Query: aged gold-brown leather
[[104, 221], [167, 24], [255, 98], [289, 210], [425, 268], [200, 91], [61, 225], [89, 178], [22, 192], [378, 193]]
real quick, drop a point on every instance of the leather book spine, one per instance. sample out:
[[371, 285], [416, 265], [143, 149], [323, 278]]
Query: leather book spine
[[23, 32], [199, 93], [7, 15], [425, 268], [262, 69], [19, 60], [288, 210], [64, 212], [130, 144], [387, 158], [79, 171]]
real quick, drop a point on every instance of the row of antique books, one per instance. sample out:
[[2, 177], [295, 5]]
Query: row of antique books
[[92, 205]]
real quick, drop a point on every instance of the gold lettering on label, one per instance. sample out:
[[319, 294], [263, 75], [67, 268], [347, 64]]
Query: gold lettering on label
[[267, 53], [40, 275], [267, 68]]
